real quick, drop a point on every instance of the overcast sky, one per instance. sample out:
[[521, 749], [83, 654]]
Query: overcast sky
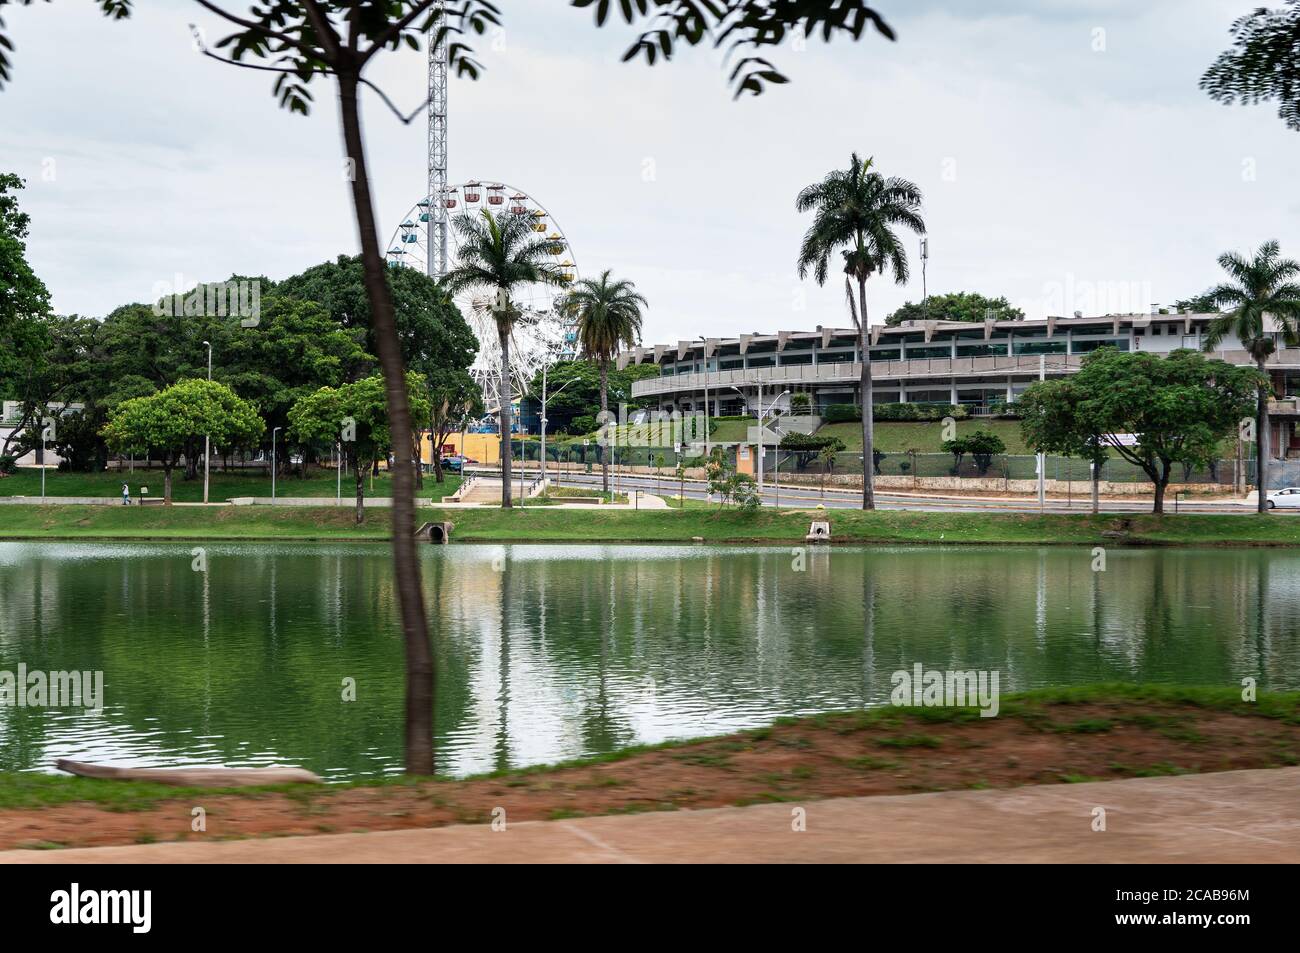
[[1067, 158]]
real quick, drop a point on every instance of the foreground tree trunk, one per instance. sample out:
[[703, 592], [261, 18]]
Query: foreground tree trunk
[[1261, 444], [604, 419], [406, 566], [868, 404], [503, 397]]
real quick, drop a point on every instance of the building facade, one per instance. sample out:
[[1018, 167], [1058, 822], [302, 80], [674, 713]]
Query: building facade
[[979, 366]]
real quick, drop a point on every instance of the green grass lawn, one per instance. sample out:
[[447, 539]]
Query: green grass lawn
[[321, 483], [923, 436], [554, 524], [1043, 712]]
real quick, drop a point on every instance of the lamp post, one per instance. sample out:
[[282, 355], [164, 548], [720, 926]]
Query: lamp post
[[273, 467], [762, 415], [704, 349], [207, 448], [338, 473], [545, 398]]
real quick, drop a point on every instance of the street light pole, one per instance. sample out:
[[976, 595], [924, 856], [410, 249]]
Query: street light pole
[[207, 446], [704, 349], [546, 420], [273, 467]]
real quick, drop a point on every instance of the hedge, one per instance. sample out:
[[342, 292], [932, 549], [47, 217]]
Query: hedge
[[845, 413]]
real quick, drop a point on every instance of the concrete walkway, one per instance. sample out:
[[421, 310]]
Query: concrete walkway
[[1232, 817]]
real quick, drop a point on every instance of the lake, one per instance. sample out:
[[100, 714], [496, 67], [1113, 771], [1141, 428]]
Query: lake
[[552, 652]]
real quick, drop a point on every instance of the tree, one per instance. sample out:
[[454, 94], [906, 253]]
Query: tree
[[1263, 63], [608, 314], [1197, 304], [454, 398], [1051, 421], [173, 422], [805, 447], [855, 212], [1261, 288], [24, 299], [356, 417], [574, 388], [827, 458], [296, 349], [339, 38], [502, 254], [1153, 411], [432, 333], [956, 306], [982, 445]]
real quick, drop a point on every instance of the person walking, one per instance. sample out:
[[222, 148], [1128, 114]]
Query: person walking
[[126, 495]]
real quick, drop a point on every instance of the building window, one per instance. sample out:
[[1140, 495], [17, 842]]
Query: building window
[[794, 359], [732, 364], [917, 352], [881, 354], [982, 350], [1039, 347], [768, 360], [834, 357]]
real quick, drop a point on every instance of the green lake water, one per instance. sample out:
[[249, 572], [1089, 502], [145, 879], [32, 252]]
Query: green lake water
[[552, 652]]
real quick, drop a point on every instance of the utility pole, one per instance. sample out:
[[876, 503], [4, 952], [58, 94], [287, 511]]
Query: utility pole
[[1042, 457], [273, 467], [545, 398], [207, 445], [925, 257]]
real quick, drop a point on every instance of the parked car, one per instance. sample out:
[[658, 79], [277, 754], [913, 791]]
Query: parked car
[[1289, 496], [456, 463]]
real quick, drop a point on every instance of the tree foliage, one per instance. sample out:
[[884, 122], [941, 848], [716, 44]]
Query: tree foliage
[[24, 299], [1263, 63], [1175, 409], [956, 306], [173, 421]]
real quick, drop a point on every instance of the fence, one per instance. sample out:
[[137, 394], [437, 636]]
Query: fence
[[917, 466], [1008, 467]]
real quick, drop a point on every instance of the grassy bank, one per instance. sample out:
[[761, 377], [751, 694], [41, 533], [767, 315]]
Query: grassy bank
[[1066, 735], [556, 524], [223, 486]]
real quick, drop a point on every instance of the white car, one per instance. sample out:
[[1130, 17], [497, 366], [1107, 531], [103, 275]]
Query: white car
[[1289, 496]]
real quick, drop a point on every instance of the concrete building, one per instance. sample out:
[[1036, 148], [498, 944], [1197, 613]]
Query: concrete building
[[980, 366]]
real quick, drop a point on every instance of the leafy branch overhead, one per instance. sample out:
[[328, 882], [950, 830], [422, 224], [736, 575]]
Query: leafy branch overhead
[[1263, 63], [303, 38]]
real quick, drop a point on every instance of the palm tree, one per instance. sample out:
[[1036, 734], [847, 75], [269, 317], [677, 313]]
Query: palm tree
[[609, 318], [855, 212], [504, 254], [1261, 287]]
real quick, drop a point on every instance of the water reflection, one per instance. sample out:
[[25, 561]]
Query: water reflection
[[547, 653]]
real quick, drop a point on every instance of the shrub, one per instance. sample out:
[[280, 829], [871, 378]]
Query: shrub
[[8, 463], [844, 413], [801, 403], [583, 424], [981, 445]]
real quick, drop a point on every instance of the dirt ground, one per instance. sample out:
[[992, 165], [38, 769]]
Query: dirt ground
[[899, 751]]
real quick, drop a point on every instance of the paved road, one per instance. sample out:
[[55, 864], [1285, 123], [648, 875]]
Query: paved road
[[1232, 817], [852, 499]]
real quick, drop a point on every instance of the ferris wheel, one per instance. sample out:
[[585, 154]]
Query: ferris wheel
[[541, 335]]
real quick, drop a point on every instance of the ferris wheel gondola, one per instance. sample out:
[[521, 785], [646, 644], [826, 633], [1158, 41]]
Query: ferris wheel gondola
[[541, 333]]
